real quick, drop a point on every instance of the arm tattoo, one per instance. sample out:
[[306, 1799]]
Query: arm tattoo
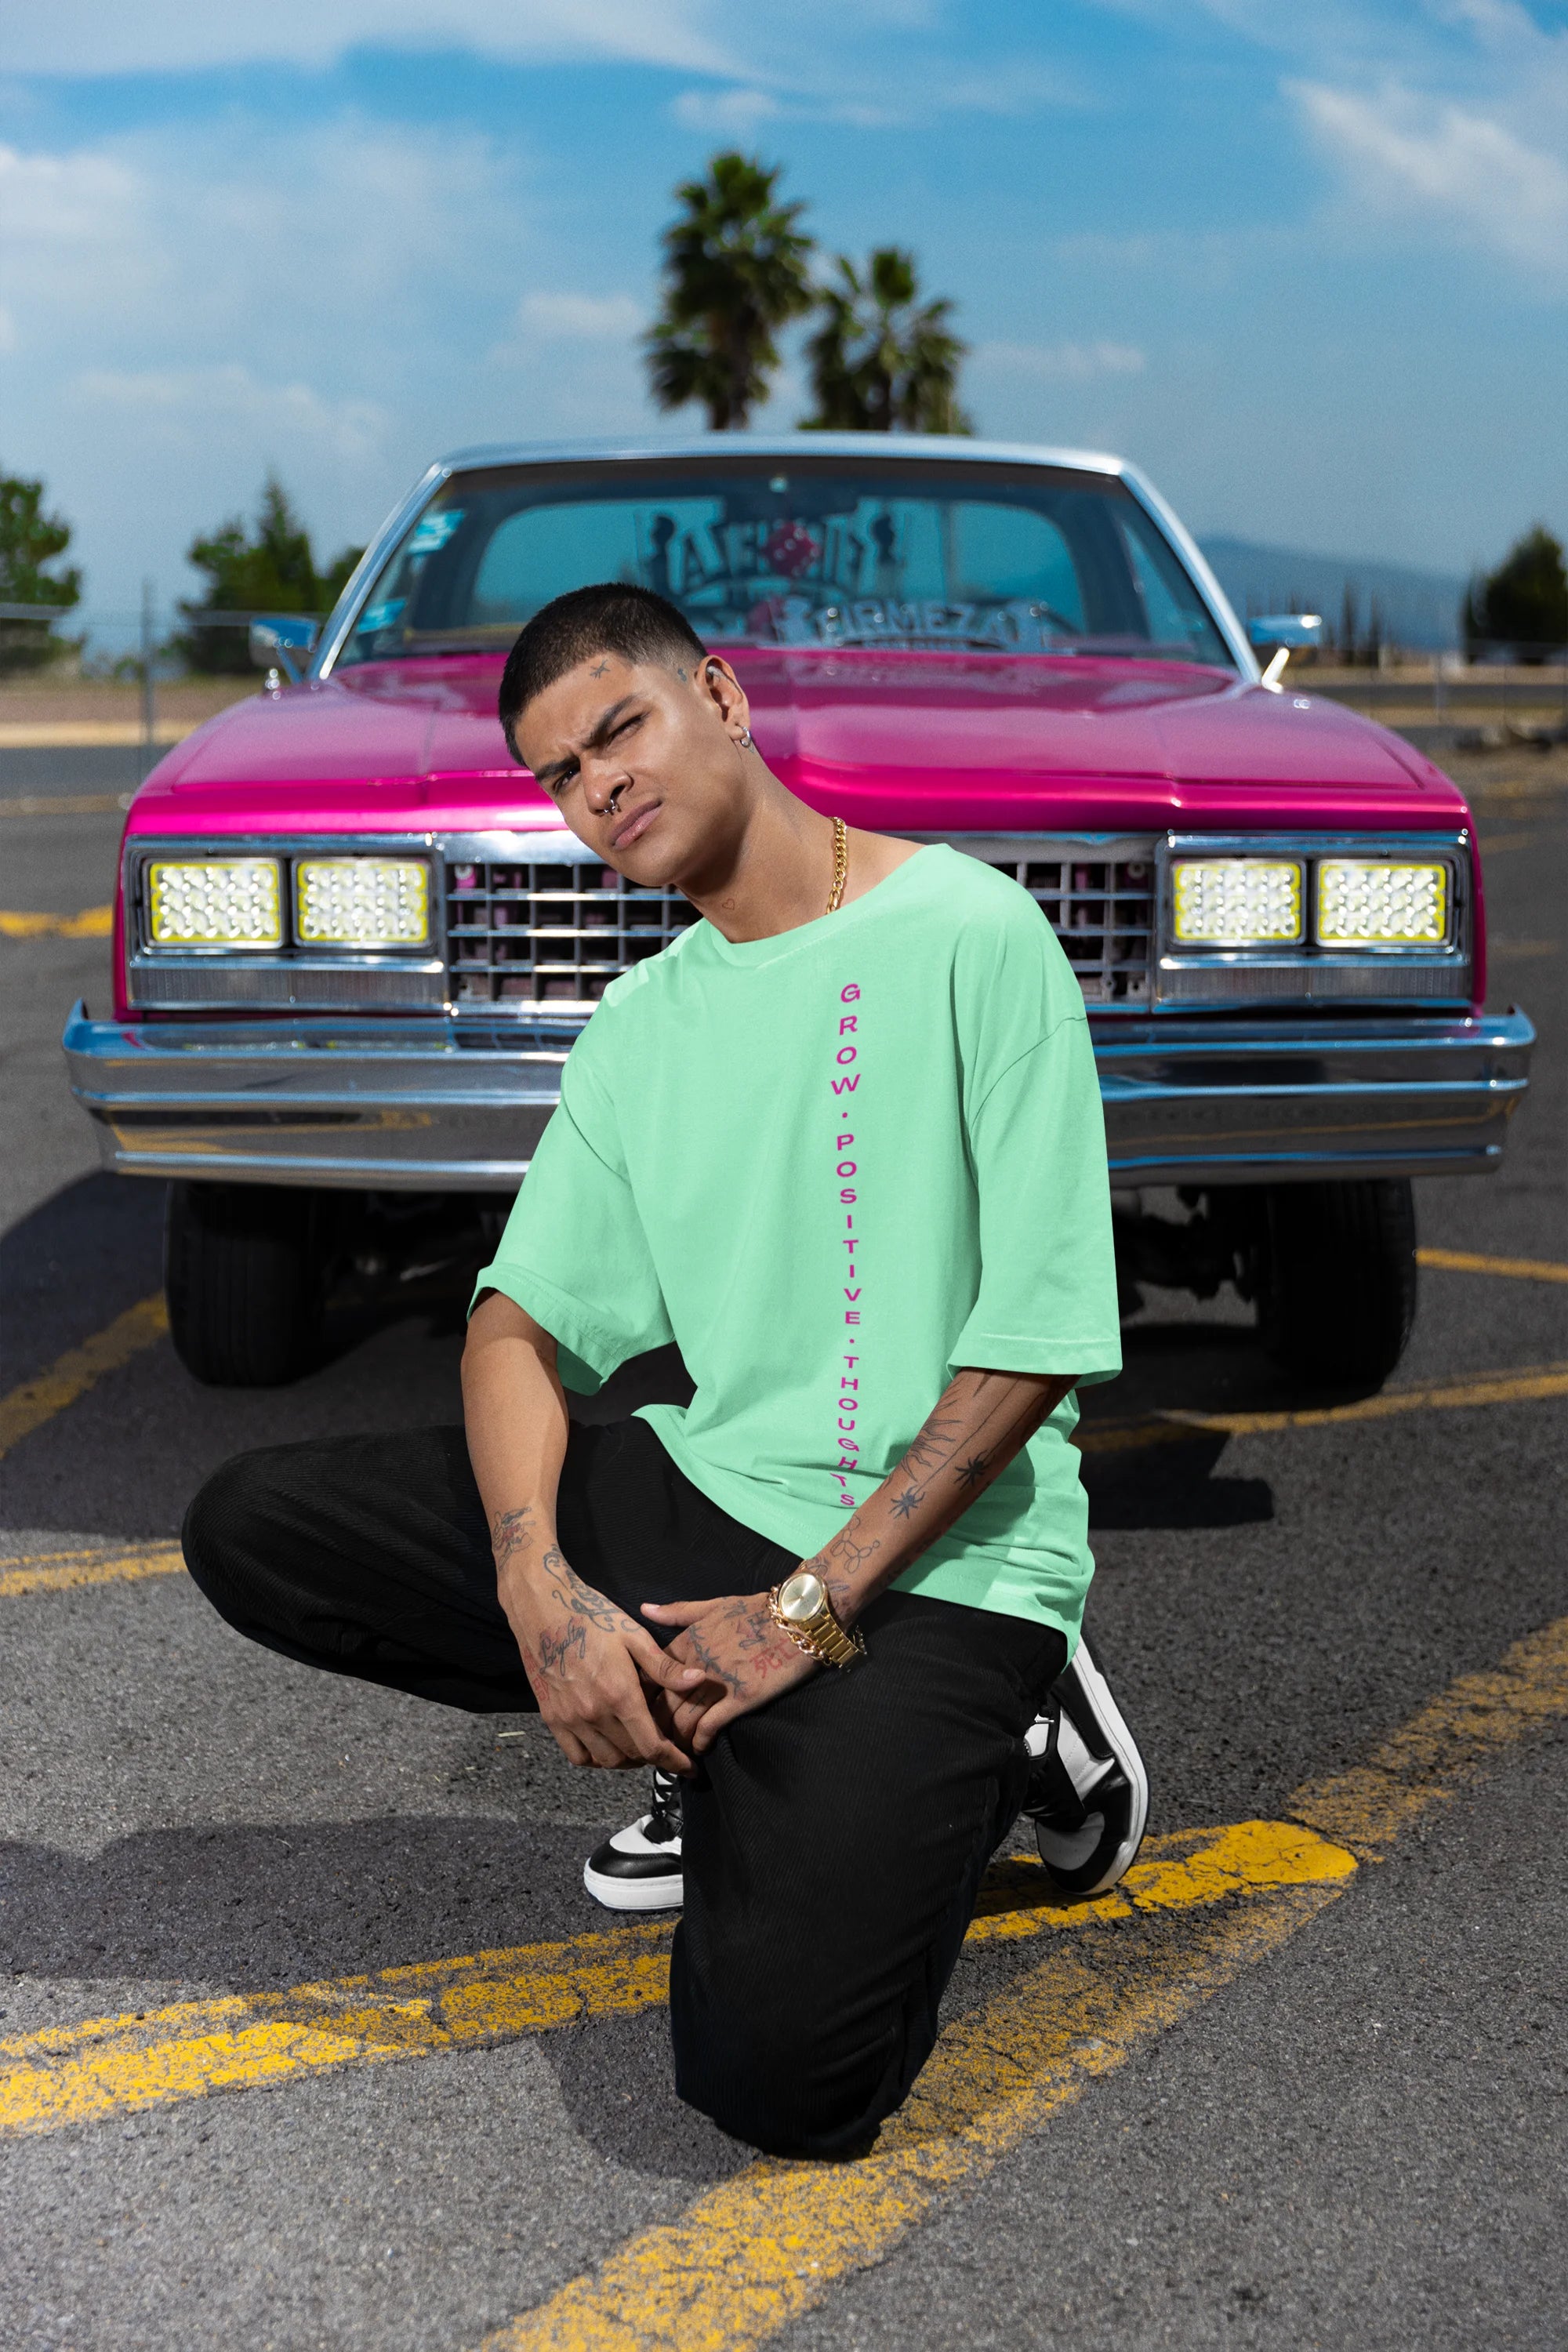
[[839, 1562], [940, 1434], [975, 1471], [511, 1533]]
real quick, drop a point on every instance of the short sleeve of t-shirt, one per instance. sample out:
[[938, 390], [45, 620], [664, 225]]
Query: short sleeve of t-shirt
[[574, 1255], [1046, 1300]]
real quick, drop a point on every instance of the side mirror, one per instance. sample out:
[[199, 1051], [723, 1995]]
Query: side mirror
[[283, 641], [1290, 629]]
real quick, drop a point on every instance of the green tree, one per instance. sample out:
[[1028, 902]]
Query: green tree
[[30, 540], [267, 568], [882, 359], [736, 269], [1525, 602]]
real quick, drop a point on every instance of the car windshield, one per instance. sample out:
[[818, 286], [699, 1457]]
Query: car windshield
[[803, 552]]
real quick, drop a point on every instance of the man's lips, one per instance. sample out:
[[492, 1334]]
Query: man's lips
[[634, 824]]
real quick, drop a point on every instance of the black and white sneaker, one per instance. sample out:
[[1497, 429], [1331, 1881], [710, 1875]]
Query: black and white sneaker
[[638, 1869], [1089, 1793]]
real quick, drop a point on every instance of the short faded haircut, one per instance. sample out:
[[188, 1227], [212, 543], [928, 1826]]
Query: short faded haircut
[[608, 618]]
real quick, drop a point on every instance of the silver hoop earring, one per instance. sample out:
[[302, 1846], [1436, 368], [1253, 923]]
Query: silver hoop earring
[[745, 738]]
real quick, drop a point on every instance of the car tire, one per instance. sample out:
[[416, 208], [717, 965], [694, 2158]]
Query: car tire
[[244, 1276], [1336, 1289]]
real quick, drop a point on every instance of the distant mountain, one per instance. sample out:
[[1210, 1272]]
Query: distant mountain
[[1419, 609]]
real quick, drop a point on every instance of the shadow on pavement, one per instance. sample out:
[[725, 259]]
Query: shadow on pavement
[[73, 1265], [256, 1909]]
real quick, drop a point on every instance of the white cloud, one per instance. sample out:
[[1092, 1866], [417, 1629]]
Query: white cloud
[[228, 404], [1062, 362], [72, 232], [105, 37], [579, 318], [725, 113], [1428, 162]]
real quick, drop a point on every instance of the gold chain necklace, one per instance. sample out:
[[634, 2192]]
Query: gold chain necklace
[[840, 865]]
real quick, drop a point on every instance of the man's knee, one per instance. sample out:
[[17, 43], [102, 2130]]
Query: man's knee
[[230, 1533], [765, 2047]]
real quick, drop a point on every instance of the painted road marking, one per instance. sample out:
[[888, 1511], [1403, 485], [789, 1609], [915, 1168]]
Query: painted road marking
[[1447, 1742], [118, 2065], [767, 2245], [29, 1407], [1526, 1269], [61, 1571], [70, 1376], [1493, 844], [1528, 1384], [92, 923], [63, 803], [88, 734]]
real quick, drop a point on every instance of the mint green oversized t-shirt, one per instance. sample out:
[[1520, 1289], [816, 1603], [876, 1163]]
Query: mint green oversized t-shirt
[[835, 1166]]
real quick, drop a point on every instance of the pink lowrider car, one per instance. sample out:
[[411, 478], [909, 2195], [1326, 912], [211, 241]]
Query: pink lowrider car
[[353, 943]]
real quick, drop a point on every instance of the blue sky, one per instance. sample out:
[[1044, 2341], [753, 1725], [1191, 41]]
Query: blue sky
[[1308, 266]]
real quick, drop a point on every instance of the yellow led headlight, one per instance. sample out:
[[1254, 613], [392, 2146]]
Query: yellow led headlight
[[1368, 902], [214, 902], [361, 902], [1237, 902]]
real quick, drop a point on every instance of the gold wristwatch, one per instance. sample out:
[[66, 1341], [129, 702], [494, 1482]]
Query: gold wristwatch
[[800, 1607]]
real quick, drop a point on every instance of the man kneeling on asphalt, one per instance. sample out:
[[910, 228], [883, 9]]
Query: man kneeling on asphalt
[[841, 1141]]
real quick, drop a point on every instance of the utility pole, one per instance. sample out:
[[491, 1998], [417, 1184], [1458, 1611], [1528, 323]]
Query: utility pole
[[149, 709]]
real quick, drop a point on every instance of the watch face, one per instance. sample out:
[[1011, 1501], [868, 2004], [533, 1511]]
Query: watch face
[[801, 1597]]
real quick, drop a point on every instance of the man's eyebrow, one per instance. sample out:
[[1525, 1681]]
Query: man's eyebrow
[[594, 741]]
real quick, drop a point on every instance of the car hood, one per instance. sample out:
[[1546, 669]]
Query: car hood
[[915, 743]]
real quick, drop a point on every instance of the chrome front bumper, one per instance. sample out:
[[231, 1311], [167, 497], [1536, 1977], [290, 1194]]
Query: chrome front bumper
[[404, 1104]]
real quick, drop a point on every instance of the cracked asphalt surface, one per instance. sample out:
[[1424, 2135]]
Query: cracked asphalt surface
[[1358, 2141]]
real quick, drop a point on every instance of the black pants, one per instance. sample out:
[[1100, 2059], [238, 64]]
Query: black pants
[[834, 1841]]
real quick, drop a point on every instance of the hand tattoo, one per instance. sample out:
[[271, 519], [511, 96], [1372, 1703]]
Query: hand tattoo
[[577, 1598], [554, 1649]]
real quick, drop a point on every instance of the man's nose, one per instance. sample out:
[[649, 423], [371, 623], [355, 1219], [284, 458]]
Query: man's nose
[[602, 782]]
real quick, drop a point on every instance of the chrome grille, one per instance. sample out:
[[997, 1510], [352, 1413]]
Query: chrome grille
[[525, 933], [1097, 895], [528, 933]]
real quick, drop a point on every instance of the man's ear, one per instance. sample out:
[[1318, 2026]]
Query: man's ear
[[724, 690]]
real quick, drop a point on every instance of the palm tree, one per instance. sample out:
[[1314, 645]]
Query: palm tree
[[882, 359], [735, 271]]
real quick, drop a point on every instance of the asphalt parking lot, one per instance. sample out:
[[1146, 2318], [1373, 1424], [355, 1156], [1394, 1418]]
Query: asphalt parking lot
[[312, 2039]]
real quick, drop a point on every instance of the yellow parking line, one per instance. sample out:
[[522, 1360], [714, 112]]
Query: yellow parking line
[[1528, 1384], [1492, 844], [1444, 1744], [767, 2245], [63, 803], [28, 1406], [117, 2065], [88, 734], [60, 1571], [92, 923], [1525, 1269]]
